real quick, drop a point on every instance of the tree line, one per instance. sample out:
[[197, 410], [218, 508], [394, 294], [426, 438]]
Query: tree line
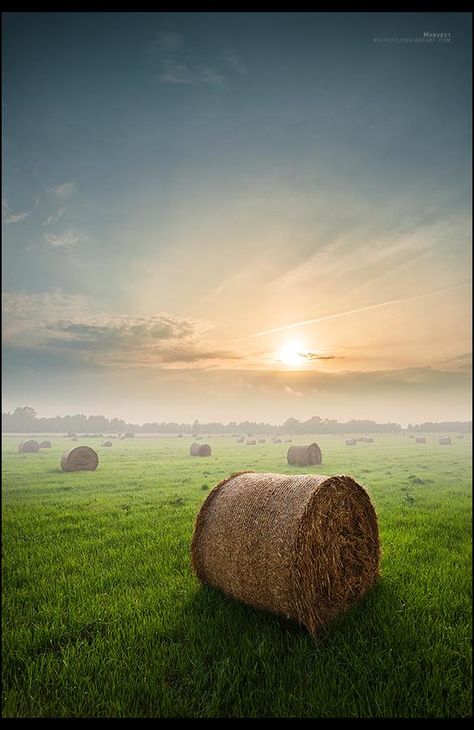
[[26, 420]]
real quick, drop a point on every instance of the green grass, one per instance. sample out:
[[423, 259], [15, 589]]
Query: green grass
[[102, 616]]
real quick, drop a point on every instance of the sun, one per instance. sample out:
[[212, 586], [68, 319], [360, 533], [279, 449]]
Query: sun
[[290, 354]]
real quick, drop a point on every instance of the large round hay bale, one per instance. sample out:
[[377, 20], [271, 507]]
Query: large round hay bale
[[28, 446], [80, 458], [107, 443], [305, 546], [369, 440], [420, 440], [251, 442], [304, 455], [45, 444], [200, 449], [445, 441]]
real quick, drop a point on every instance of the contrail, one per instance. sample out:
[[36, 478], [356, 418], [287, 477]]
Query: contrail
[[353, 311]]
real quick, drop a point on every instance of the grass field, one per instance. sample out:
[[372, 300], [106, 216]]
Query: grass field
[[102, 616]]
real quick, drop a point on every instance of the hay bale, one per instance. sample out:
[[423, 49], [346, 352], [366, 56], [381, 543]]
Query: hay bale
[[251, 442], [420, 440], [107, 443], [304, 546], [80, 458], [277, 441], [287, 441], [350, 442], [129, 435], [262, 441], [200, 449], [45, 444], [369, 440], [28, 446], [360, 439], [444, 441], [304, 455]]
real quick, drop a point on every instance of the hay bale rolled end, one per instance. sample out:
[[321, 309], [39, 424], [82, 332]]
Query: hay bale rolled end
[[200, 449], [80, 458], [28, 446], [303, 546], [307, 455]]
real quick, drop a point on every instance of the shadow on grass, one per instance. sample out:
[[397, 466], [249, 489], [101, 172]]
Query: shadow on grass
[[236, 652]]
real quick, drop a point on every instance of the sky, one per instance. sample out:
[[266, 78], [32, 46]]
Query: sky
[[230, 216]]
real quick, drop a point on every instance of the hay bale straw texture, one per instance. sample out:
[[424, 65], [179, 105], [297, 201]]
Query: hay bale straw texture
[[80, 458], [304, 546], [107, 443], [29, 446], [304, 455], [200, 449], [45, 445], [445, 441]]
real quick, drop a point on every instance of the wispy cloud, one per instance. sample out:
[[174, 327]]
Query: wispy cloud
[[181, 64], [65, 190], [9, 216], [235, 61], [169, 41], [67, 240], [174, 72], [317, 356], [358, 310], [51, 219]]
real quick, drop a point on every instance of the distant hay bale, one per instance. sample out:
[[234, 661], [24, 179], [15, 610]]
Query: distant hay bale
[[420, 440], [369, 440], [107, 443], [73, 438], [129, 435], [45, 444], [28, 446], [360, 438], [287, 441], [262, 441], [302, 546], [80, 458], [277, 441], [444, 441], [251, 442], [351, 442], [200, 449], [71, 434], [304, 455]]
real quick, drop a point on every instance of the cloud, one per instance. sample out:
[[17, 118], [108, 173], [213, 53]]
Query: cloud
[[316, 356], [64, 191], [68, 323], [358, 310], [8, 216], [169, 41], [235, 61], [174, 72], [66, 240], [179, 63], [51, 219]]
